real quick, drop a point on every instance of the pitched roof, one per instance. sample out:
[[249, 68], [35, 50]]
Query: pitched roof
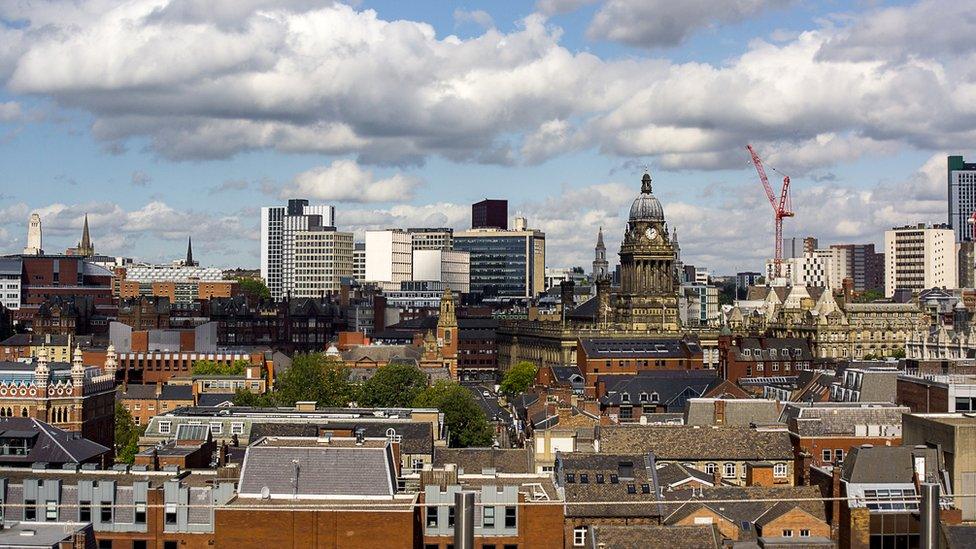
[[737, 412], [842, 418], [476, 460], [741, 504], [639, 348], [51, 445], [640, 537], [589, 478], [686, 442], [883, 464]]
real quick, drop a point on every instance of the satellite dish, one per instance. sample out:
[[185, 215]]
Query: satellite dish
[[265, 492]]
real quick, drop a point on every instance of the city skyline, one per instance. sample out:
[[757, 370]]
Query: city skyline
[[150, 172]]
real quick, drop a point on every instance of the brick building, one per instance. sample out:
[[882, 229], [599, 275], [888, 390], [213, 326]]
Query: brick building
[[144, 313], [762, 357], [291, 325], [61, 280], [936, 393], [145, 401], [609, 356]]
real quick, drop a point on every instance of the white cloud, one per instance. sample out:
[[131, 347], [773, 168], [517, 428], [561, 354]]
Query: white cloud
[[554, 7], [661, 23], [346, 181], [478, 17]]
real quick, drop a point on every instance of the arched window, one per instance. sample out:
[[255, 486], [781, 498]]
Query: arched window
[[23, 411], [710, 468]]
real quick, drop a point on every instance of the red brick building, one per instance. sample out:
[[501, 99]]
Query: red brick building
[[762, 357], [608, 356]]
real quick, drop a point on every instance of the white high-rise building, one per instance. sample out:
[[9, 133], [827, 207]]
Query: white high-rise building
[[279, 224], [359, 261], [321, 259], [11, 272], [919, 257], [441, 238], [808, 270], [450, 267], [389, 257], [837, 263], [34, 241]]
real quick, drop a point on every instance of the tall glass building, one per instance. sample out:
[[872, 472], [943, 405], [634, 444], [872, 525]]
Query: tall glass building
[[505, 263]]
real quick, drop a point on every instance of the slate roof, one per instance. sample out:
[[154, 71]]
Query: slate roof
[[147, 391], [674, 388], [214, 399], [883, 464], [644, 536], [51, 445], [675, 474], [765, 345], [564, 374], [747, 505], [323, 470], [685, 442], [11, 265], [380, 353], [599, 348], [738, 412], [634, 482], [841, 418], [415, 437], [177, 392], [475, 460], [960, 536]]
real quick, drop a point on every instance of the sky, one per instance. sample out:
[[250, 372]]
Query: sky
[[163, 119]]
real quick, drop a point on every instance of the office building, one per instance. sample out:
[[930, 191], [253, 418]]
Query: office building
[[505, 263], [836, 263], [919, 257], [322, 259], [389, 255], [490, 214], [177, 282], [34, 242], [864, 266], [962, 197], [11, 270], [450, 267], [425, 238], [279, 224], [746, 278], [806, 270], [359, 261], [798, 247]]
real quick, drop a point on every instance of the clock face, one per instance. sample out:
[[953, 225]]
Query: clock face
[[651, 233]]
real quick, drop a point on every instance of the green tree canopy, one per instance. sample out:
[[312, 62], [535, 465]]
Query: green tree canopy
[[466, 422], [518, 378], [212, 368], [253, 288], [393, 385], [126, 435], [315, 377], [243, 397], [867, 296]]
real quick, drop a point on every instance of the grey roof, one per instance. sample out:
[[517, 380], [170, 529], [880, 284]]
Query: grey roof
[[738, 412], [415, 437], [51, 445], [11, 265], [639, 348], [322, 471], [380, 353], [139, 391], [588, 478], [643, 536], [476, 460], [885, 464], [673, 388], [959, 536], [214, 399], [766, 345], [685, 442], [44, 534], [841, 418], [753, 503], [177, 392]]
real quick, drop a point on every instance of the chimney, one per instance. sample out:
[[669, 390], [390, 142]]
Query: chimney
[[720, 412], [159, 388], [717, 476]]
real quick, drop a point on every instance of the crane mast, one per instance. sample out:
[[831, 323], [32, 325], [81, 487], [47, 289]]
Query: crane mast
[[782, 207]]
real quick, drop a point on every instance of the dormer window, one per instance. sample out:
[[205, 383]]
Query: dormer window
[[746, 352], [772, 353], [643, 397], [655, 397], [625, 397]]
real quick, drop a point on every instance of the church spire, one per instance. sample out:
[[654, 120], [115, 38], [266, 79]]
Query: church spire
[[85, 236], [189, 252], [599, 239]]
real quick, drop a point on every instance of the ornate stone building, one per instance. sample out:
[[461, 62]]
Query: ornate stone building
[[73, 397], [645, 304]]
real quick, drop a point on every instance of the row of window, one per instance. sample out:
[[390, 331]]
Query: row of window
[[166, 427], [729, 469], [487, 517]]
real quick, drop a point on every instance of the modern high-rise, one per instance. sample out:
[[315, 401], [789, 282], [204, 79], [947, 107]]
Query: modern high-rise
[[808, 270], [34, 244], [359, 261], [795, 246], [836, 262], [323, 257], [451, 267], [429, 238], [11, 272], [919, 257], [962, 197], [389, 257], [505, 263], [865, 266], [279, 224], [490, 214]]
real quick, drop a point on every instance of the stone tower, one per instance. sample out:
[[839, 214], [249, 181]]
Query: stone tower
[[601, 267], [447, 332], [34, 243]]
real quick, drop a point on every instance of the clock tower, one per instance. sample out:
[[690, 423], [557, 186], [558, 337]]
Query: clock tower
[[648, 298]]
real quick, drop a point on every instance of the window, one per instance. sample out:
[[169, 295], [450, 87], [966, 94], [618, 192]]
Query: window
[[488, 517], [51, 510], [570, 478], [826, 455], [710, 468], [170, 514], [170, 545], [614, 479], [510, 517], [104, 544], [645, 488], [584, 478], [579, 536], [140, 517], [599, 478], [631, 489], [216, 428], [839, 455], [779, 470], [510, 546], [804, 533], [729, 470], [431, 516], [105, 511], [237, 428], [84, 511], [165, 427], [30, 509], [787, 533], [450, 517], [139, 544]]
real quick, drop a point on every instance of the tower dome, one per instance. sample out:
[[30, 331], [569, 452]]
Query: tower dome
[[646, 207]]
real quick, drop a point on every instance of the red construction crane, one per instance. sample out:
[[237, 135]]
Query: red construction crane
[[782, 207]]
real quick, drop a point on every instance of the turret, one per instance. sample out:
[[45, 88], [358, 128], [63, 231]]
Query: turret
[[111, 364], [77, 369], [41, 371]]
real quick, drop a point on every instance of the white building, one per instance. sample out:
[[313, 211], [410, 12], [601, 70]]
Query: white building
[[279, 224], [359, 261], [34, 240], [389, 255], [441, 238], [920, 256], [322, 258], [557, 275], [836, 262], [10, 275], [808, 270], [447, 266]]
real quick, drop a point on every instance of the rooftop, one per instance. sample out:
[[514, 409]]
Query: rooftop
[[687, 442]]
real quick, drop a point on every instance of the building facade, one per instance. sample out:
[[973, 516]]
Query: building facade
[[490, 214], [506, 264], [278, 227], [323, 258], [431, 238], [961, 184], [389, 257], [919, 257], [451, 267]]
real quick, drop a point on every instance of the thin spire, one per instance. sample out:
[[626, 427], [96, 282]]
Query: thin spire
[[189, 251], [85, 236], [599, 239]]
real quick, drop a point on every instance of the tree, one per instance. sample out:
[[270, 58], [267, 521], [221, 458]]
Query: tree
[[898, 353], [466, 423], [253, 288], [315, 377], [518, 378], [127, 435], [727, 292], [243, 397], [213, 368], [867, 296], [393, 385]]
